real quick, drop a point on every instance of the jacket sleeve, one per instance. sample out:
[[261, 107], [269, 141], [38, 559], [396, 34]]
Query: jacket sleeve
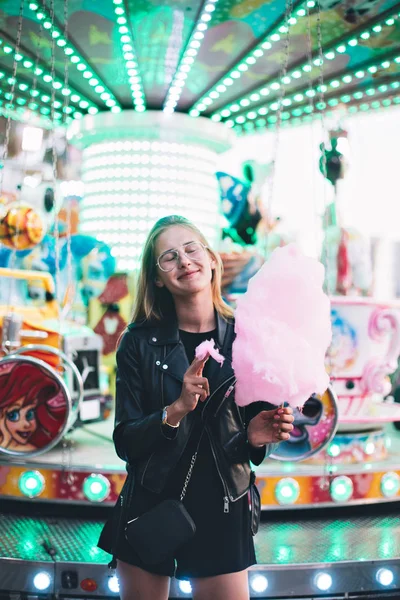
[[137, 433], [257, 455]]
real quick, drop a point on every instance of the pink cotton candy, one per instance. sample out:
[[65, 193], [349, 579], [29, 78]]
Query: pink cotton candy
[[206, 349], [283, 330]]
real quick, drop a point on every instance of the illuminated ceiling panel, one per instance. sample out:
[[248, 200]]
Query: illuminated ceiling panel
[[138, 53]]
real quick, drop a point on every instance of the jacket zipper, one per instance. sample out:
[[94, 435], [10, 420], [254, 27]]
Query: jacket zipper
[[162, 408], [227, 498]]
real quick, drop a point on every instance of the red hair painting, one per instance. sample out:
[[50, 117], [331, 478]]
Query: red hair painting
[[33, 407]]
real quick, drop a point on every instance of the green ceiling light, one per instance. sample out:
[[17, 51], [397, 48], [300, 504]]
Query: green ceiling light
[[184, 66], [7, 49], [286, 79], [365, 35], [55, 33], [234, 108], [341, 489], [358, 95], [251, 115], [96, 487], [382, 89], [335, 83], [240, 119], [333, 102], [341, 49], [330, 53], [346, 98], [372, 69], [263, 110], [298, 98], [31, 483], [389, 22], [257, 52], [264, 91], [244, 102], [385, 64]]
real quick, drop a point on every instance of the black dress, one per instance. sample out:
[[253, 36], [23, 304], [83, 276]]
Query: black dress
[[223, 542]]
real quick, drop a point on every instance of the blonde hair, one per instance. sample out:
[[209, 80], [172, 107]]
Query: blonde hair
[[155, 303]]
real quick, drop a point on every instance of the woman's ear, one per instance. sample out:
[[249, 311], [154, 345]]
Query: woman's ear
[[158, 282]]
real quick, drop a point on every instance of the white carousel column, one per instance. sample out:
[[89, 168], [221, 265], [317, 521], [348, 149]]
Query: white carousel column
[[139, 167]]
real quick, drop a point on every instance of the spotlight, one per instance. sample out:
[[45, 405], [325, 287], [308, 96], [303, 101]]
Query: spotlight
[[287, 491], [390, 484], [42, 581], [31, 483], [341, 488], [259, 583], [185, 587], [384, 576], [96, 487], [113, 584], [323, 581]]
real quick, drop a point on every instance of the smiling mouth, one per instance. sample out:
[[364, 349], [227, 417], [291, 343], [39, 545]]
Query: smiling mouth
[[187, 274], [24, 434]]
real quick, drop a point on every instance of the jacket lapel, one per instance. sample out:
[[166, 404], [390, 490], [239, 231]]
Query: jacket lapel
[[175, 363]]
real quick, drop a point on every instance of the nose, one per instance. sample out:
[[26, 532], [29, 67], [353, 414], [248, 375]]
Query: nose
[[183, 259]]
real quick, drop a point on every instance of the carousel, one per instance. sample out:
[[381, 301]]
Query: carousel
[[114, 114]]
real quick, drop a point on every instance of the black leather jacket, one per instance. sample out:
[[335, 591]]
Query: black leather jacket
[[151, 363]]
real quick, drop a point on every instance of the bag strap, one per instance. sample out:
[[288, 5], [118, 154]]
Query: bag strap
[[231, 380]]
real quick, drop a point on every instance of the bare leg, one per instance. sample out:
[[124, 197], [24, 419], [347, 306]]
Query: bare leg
[[137, 584], [222, 587]]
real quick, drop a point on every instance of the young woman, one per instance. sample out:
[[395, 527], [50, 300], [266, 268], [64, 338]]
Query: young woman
[[162, 391]]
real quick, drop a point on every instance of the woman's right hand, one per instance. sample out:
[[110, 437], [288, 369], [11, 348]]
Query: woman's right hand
[[195, 387]]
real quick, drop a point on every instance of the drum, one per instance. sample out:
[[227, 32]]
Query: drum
[[314, 427]]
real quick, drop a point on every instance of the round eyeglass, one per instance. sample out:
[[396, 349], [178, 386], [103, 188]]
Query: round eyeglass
[[168, 261]]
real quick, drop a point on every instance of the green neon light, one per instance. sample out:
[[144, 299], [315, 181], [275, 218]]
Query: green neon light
[[96, 487], [298, 96], [75, 58], [135, 80], [28, 65], [390, 484], [31, 483], [330, 53], [287, 490], [271, 38], [341, 489]]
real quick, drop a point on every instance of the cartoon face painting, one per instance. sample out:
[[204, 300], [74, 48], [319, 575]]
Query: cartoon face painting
[[32, 407]]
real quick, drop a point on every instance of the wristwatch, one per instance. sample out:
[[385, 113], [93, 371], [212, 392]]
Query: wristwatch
[[165, 417]]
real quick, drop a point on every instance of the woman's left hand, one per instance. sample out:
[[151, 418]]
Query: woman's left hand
[[270, 426]]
